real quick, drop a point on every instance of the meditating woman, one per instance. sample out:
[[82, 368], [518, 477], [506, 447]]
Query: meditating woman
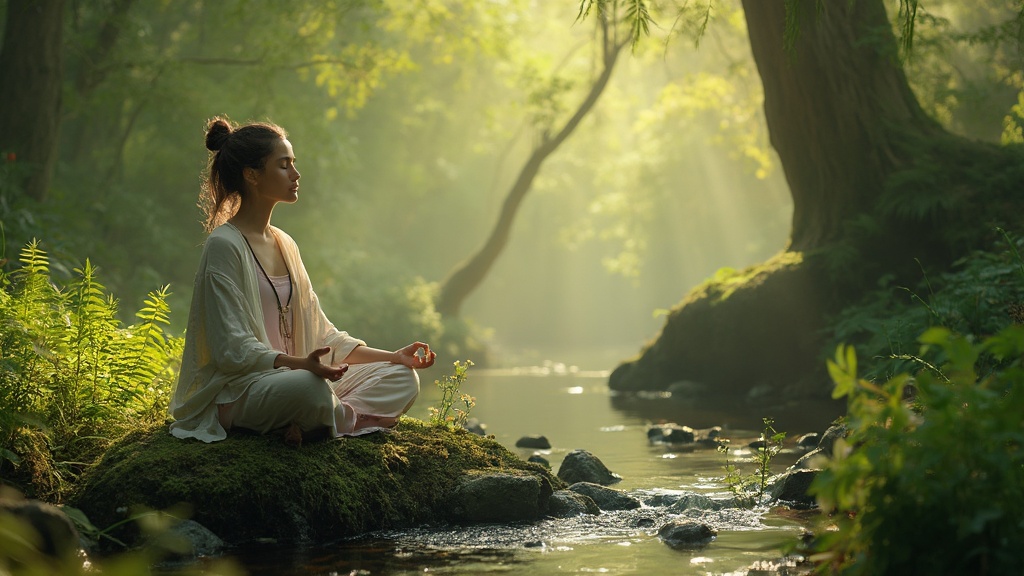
[[259, 352]]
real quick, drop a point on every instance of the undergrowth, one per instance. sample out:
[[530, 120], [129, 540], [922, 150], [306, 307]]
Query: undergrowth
[[72, 377], [930, 479], [982, 294], [933, 486]]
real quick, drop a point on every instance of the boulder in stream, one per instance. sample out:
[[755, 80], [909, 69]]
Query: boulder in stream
[[567, 504], [250, 487], [606, 498], [792, 488], [693, 500], [534, 441], [57, 539], [582, 466], [687, 534], [500, 497]]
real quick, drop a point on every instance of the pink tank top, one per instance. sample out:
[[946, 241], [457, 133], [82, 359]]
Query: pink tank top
[[271, 317]]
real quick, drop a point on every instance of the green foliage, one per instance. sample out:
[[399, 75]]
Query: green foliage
[[935, 486], [1013, 133], [975, 298], [750, 488], [71, 376], [446, 413]]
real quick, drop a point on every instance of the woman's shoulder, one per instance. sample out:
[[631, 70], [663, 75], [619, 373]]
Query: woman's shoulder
[[281, 234], [284, 239], [224, 237]]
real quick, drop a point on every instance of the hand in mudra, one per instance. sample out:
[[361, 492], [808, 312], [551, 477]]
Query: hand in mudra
[[408, 356], [322, 370]]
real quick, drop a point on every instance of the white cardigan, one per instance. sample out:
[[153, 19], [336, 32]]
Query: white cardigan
[[226, 345]]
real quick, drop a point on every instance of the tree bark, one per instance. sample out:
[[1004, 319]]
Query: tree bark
[[468, 275], [838, 108], [31, 71]]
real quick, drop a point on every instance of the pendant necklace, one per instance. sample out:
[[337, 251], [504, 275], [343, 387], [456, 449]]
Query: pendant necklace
[[282, 310]]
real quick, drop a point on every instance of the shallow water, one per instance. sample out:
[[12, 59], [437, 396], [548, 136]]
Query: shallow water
[[575, 410]]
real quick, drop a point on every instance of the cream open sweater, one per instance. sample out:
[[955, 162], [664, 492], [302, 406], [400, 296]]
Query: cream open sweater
[[226, 345]]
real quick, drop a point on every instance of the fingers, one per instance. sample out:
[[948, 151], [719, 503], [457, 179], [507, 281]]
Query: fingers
[[426, 360], [333, 373]]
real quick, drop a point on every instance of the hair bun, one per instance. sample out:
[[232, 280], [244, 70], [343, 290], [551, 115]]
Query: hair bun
[[217, 134]]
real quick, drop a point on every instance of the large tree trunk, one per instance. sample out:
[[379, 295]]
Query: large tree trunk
[[875, 182], [31, 69], [838, 107]]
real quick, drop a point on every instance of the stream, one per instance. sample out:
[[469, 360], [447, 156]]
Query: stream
[[575, 409]]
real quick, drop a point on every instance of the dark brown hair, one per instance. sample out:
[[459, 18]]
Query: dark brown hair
[[233, 148]]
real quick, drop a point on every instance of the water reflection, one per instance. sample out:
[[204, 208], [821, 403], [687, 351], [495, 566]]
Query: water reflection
[[810, 415]]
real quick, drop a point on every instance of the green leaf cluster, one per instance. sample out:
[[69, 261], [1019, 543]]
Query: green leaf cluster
[[72, 377], [933, 484], [976, 298]]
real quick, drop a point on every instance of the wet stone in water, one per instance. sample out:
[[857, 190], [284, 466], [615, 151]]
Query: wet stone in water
[[582, 466], [538, 441], [686, 534]]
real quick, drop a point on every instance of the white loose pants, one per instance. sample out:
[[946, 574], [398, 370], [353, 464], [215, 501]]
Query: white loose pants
[[380, 389]]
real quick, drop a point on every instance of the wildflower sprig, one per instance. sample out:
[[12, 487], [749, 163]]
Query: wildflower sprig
[[446, 413]]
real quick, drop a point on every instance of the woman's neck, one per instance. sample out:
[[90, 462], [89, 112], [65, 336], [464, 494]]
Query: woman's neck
[[252, 221]]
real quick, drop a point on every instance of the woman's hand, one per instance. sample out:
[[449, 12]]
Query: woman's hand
[[407, 356], [322, 370], [313, 364]]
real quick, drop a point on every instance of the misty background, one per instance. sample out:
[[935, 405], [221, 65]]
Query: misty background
[[410, 121]]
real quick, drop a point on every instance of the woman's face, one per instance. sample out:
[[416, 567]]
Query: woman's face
[[279, 180]]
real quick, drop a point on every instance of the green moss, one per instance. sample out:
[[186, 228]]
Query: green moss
[[727, 281], [248, 487]]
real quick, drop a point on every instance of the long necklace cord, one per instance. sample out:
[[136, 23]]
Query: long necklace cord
[[281, 310]]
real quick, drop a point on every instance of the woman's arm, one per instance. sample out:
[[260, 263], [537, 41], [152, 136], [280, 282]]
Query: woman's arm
[[405, 356]]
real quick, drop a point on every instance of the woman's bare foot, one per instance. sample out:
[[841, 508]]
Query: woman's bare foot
[[293, 435], [368, 421]]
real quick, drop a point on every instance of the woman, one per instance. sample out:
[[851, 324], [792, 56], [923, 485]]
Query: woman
[[259, 352]]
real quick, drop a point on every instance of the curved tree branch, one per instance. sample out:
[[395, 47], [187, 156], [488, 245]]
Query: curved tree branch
[[468, 275]]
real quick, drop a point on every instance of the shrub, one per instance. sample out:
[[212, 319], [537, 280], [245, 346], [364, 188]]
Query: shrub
[[72, 378], [978, 297], [933, 486]]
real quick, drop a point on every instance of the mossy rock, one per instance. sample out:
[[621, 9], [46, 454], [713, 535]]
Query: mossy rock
[[761, 326], [249, 487]]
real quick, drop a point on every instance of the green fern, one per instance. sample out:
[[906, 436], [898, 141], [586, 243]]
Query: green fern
[[71, 376]]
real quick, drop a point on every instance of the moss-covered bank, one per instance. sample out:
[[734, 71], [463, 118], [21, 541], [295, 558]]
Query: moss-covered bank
[[760, 327], [248, 487]]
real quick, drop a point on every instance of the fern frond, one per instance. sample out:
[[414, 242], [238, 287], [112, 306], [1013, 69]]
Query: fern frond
[[34, 260]]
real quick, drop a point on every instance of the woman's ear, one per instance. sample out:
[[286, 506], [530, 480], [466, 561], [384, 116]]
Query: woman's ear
[[250, 175]]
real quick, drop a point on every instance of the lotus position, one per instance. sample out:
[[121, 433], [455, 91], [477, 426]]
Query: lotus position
[[259, 352]]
